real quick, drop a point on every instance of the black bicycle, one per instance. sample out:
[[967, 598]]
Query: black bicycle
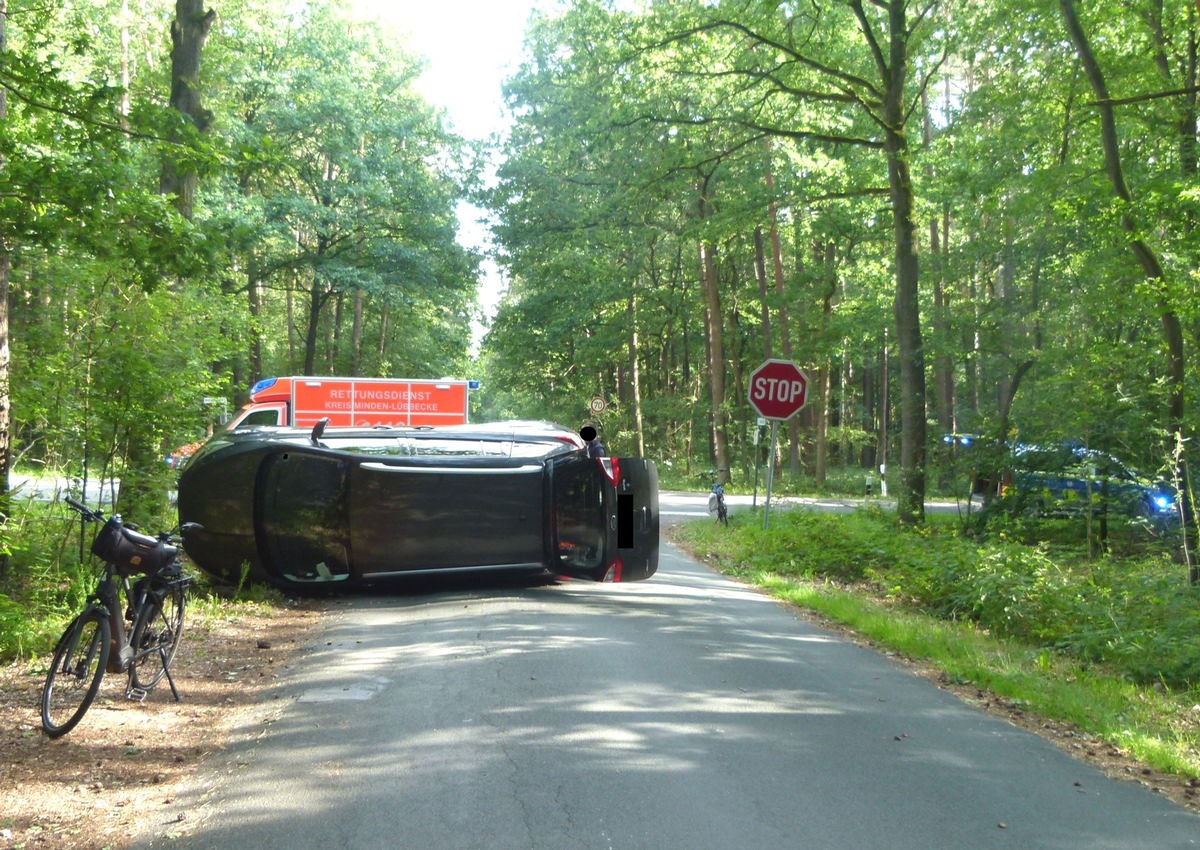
[[139, 638]]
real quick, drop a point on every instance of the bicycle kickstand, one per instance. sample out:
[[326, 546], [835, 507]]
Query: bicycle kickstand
[[167, 670]]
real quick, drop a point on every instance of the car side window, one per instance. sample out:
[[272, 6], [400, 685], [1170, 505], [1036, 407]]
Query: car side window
[[261, 418], [302, 512], [578, 513]]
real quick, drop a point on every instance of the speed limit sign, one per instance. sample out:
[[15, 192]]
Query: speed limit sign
[[597, 405]]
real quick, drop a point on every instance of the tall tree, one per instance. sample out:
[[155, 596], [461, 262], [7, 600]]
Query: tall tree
[[1146, 256], [829, 67], [189, 31], [5, 269]]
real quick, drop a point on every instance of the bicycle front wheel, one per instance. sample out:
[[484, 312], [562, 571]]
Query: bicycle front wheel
[[156, 635], [75, 674]]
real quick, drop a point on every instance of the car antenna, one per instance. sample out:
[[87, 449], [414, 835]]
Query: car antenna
[[318, 430]]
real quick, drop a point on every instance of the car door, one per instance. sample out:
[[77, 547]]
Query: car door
[[637, 518], [604, 517], [301, 517]]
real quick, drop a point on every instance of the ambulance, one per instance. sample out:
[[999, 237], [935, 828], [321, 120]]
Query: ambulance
[[346, 402], [354, 402]]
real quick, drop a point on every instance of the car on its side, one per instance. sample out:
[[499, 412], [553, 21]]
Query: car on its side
[[303, 508], [1065, 478]]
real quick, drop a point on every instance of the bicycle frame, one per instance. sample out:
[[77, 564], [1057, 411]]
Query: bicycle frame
[[107, 598]]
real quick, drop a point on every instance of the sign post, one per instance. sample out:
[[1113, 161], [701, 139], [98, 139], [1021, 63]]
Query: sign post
[[778, 391], [758, 427]]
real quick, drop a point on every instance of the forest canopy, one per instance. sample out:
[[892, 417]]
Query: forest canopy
[[970, 216], [286, 206], [956, 216]]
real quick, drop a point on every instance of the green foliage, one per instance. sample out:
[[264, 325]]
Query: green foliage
[[52, 572], [327, 191], [47, 580], [341, 195], [1135, 615], [16, 637], [629, 123], [1141, 721]]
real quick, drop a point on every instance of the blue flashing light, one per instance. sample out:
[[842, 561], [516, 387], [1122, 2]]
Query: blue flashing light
[[472, 385], [262, 385]]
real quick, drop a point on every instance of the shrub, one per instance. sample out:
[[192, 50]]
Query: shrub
[[1134, 614], [16, 629]]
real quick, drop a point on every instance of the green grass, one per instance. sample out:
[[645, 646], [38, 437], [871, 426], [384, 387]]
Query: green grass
[[1106, 646], [49, 578]]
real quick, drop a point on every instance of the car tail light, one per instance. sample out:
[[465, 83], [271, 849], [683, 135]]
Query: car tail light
[[612, 469], [614, 571]]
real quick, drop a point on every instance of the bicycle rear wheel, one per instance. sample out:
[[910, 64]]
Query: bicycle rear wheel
[[156, 635], [76, 671]]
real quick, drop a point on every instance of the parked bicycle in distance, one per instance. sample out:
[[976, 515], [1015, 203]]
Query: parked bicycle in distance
[[138, 638], [716, 498]]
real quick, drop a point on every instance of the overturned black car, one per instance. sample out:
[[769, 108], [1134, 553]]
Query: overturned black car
[[302, 509]]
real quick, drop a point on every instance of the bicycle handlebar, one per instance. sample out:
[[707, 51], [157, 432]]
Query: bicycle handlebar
[[94, 515], [89, 514]]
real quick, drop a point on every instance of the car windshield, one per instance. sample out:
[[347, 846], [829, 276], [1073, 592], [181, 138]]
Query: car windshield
[[1064, 457]]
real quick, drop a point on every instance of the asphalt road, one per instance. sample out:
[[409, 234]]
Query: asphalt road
[[683, 712]]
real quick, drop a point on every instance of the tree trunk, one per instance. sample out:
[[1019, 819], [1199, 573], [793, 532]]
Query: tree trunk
[[635, 384], [714, 325], [713, 320], [383, 330], [333, 336], [823, 376], [316, 301], [291, 325], [356, 336], [1146, 257], [143, 495], [188, 34], [785, 338], [5, 369], [760, 275], [885, 407], [943, 365], [867, 459], [6, 247], [254, 299], [910, 500]]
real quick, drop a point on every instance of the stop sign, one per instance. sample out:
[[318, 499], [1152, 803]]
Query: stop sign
[[778, 389]]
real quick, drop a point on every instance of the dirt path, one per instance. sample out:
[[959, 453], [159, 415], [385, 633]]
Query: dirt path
[[117, 773]]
